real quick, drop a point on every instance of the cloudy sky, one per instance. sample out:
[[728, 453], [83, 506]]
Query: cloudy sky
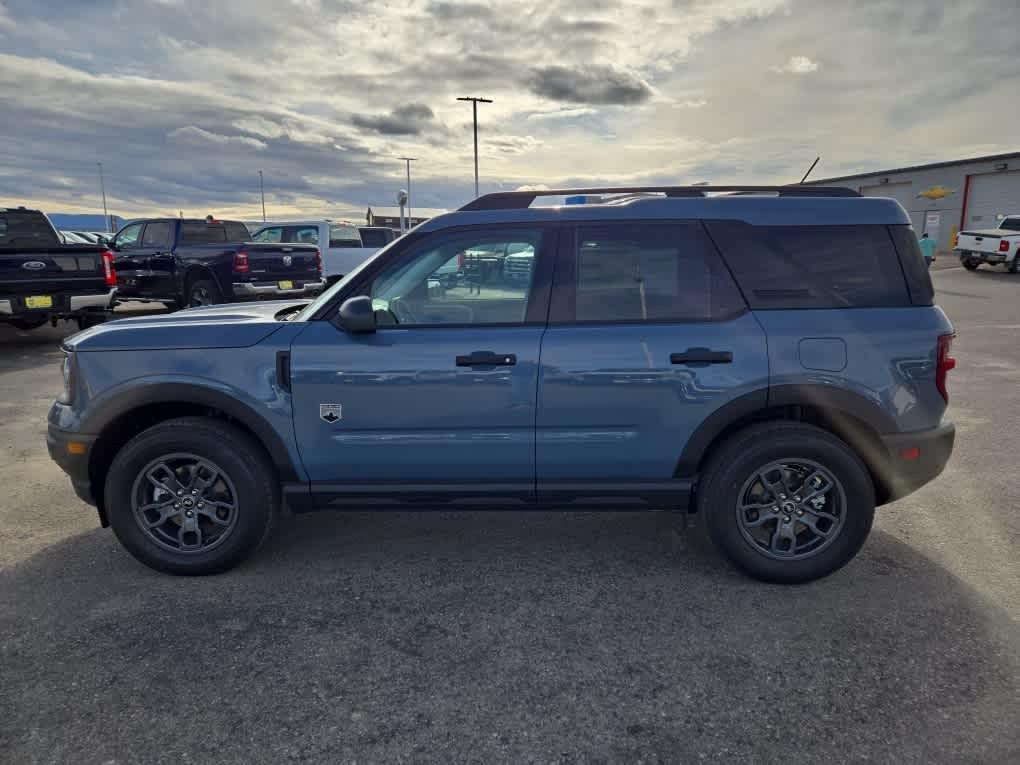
[[184, 101]]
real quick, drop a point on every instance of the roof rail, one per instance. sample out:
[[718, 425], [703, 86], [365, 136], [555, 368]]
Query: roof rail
[[520, 200]]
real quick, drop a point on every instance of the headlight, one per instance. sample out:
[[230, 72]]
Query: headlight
[[67, 370]]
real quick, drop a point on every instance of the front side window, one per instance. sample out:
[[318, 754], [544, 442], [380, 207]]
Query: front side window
[[648, 272], [458, 278], [130, 235], [271, 235]]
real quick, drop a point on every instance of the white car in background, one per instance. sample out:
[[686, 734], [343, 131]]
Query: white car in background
[[992, 246], [339, 242]]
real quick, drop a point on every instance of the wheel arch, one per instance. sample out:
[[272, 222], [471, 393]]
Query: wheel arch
[[127, 415], [196, 271], [847, 415]]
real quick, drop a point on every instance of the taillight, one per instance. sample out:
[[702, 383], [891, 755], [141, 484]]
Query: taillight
[[109, 272], [943, 363], [318, 261], [241, 262], [1004, 245]]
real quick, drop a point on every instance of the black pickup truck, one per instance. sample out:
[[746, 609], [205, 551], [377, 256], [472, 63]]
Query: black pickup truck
[[191, 262], [42, 279]]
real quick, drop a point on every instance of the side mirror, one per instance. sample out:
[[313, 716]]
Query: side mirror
[[356, 315]]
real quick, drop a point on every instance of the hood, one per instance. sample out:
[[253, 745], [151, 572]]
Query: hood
[[235, 325]]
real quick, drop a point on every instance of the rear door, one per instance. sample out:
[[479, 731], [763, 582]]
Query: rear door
[[155, 252], [440, 400], [647, 337]]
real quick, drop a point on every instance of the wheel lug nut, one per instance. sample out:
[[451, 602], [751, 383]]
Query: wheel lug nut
[[177, 505], [194, 491], [201, 504], [800, 512], [786, 519], [796, 499], [180, 493]]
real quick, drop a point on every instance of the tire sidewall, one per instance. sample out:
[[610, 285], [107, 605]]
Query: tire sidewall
[[734, 469], [238, 459]]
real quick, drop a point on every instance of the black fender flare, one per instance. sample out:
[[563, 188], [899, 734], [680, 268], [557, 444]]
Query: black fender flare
[[839, 402], [172, 392]]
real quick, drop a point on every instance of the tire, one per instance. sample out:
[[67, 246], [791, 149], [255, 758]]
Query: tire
[[1014, 264], [970, 265], [245, 479], [203, 292], [27, 325], [731, 477]]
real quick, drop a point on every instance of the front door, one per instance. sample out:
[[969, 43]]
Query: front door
[[439, 402], [648, 335]]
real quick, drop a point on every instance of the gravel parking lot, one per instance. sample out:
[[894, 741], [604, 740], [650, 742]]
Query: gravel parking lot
[[534, 637]]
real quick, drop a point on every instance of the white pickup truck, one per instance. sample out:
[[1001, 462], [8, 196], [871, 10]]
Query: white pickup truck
[[996, 245], [339, 242]]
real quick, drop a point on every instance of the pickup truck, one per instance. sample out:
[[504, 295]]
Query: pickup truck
[[343, 248], [996, 245], [42, 279], [192, 262]]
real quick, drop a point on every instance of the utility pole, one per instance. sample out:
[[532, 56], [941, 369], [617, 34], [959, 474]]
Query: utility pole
[[102, 190], [262, 193], [474, 113], [408, 161]]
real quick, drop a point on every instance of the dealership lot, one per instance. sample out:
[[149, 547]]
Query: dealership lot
[[522, 636]]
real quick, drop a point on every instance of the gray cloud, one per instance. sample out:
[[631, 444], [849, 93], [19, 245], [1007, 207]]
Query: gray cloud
[[411, 119], [594, 84]]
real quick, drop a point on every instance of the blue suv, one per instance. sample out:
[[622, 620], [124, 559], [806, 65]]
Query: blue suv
[[769, 358]]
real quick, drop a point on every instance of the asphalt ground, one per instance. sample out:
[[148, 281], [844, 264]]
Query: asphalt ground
[[522, 637]]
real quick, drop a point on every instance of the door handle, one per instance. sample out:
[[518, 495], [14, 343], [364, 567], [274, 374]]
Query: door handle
[[487, 359], [701, 357]]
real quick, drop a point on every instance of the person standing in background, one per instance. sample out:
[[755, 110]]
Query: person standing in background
[[927, 248]]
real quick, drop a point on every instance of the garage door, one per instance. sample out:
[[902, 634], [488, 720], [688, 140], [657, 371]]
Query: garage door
[[990, 197], [901, 192]]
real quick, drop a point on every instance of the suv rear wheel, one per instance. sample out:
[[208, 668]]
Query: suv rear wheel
[[787, 502], [192, 496]]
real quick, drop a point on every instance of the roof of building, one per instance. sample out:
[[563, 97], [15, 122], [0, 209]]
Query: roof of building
[[913, 168], [416, 212]]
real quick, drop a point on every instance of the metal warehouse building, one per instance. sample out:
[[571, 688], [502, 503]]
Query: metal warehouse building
[[947, 197]]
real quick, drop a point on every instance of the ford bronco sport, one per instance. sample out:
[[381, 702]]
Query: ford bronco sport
[[769, 358]]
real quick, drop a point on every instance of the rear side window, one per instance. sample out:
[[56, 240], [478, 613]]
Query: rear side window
[[236, 231], [374, 237], [914, 269], [156, 234], [200, 232], [344, 235], [634, 272], [812, 266], [301, 234], [270, 235]]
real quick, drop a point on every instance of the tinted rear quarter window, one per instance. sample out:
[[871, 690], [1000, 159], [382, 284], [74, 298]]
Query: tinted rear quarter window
[[200, 232], [635, 272], [812, 266]]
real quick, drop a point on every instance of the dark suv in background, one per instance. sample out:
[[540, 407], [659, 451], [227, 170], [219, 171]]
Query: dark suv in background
[[768, 358]]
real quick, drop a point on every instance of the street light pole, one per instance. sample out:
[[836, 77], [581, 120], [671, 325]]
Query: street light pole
[[474, 114], [102, 189], [262, 193], [408, 161]]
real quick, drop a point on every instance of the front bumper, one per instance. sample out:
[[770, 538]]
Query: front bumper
[[71, 451], [63, 305], [916, 458], [256, 290]]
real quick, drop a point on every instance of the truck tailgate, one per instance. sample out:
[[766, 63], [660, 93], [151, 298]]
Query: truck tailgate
[[51, 270], [274, 262], [984, 241]]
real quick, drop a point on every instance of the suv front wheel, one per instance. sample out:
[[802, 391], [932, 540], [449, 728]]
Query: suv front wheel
[[787, 502], [192, 495]]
